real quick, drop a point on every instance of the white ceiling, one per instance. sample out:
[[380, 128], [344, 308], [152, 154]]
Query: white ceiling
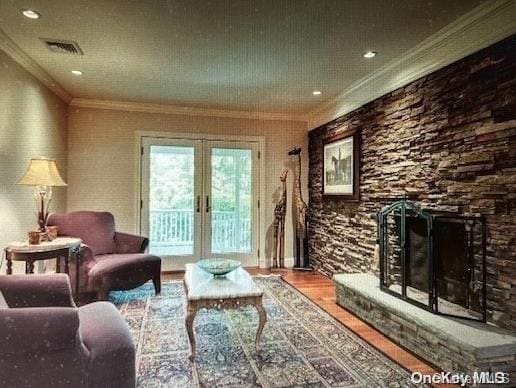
[[261, 55]]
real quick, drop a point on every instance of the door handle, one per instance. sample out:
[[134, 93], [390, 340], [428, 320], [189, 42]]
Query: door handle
[[208, 204], [198, 205]]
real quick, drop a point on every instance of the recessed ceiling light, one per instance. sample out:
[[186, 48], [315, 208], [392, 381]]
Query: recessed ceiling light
[[30, 13], [76, 72], [316, 93], [369, 54]]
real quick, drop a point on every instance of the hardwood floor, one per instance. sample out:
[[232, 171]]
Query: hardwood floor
[[320, 289]]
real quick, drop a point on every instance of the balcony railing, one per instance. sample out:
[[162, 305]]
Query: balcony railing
[[172, 231]]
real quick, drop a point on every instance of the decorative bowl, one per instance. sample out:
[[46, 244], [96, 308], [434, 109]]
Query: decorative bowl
[[218, 267]]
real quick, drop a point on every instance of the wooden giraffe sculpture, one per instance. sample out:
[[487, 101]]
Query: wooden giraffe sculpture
[[279, 224], [301, 208]]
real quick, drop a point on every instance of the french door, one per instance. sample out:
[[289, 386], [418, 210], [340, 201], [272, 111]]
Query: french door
[[200, 200]]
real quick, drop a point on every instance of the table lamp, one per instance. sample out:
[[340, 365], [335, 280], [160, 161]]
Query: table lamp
[[42, 173]]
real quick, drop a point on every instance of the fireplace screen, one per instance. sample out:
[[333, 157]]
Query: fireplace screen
[[435, 261]]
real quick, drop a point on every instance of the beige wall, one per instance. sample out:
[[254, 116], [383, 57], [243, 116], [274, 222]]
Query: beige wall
[[102, 157], [32, 124]]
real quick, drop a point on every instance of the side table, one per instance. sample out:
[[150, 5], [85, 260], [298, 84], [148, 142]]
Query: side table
[[62, 249]]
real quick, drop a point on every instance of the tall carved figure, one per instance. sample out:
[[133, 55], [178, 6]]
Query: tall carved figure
[[279, 224], [301, 241]]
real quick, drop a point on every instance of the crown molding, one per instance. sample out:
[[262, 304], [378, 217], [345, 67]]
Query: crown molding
[[483, 26], [130, 106], [19, 56]]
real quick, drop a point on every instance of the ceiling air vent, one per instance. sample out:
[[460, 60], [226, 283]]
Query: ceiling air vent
[[62, 46]]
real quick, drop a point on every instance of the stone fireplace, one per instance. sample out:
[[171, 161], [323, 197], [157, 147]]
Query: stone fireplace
[[434, 261], [445, 141]]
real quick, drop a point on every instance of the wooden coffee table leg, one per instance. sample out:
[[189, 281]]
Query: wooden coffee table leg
[[31, 267], [190, 316], [263, 318], [9, 267]]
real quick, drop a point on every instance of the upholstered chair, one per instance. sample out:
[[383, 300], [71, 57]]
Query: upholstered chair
[[108, 260], [46, 341]]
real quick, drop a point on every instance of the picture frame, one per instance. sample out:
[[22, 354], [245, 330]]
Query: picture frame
[[341, 166]]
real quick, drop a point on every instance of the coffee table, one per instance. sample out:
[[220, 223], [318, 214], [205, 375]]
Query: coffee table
[[232, 291]]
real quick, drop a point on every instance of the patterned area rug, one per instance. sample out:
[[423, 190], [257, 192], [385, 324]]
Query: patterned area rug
[[302, 346]]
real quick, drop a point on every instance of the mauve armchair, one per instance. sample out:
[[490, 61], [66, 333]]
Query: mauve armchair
[[109, 260], [46, 341]]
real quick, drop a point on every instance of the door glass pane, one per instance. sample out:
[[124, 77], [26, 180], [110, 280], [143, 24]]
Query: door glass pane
[[231, 194], [171, 200]]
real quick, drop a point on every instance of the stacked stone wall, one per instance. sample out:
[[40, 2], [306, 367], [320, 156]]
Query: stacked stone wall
[[446, 141]]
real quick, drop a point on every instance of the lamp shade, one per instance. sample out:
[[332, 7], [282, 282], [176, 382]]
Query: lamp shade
[[42, 172]]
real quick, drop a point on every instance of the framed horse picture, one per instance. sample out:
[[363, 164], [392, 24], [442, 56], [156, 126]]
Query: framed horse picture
[[341, 169]]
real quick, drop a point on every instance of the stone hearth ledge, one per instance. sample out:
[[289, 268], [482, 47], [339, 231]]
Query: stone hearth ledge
[[452, 344]]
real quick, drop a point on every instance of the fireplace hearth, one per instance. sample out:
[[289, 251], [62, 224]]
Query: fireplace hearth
[[433, 260]]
